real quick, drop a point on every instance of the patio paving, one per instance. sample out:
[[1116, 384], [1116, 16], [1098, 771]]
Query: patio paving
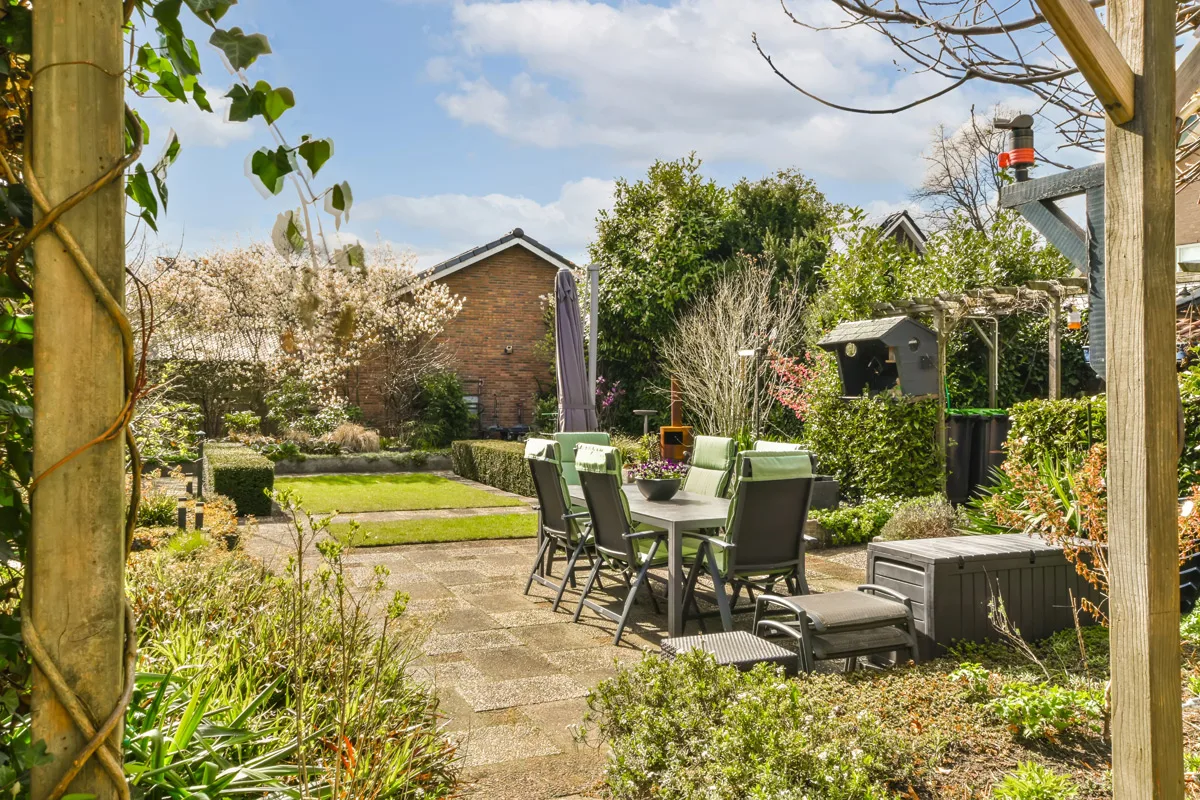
[[512, 675]]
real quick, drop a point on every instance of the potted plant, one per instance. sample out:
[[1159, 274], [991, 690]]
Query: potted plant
[[658, 479]]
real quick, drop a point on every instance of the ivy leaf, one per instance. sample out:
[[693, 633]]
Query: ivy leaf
[[169, 86], [337, 203], [276, 101], [271, 167], [200, 97], [352, 255], [286, 235], [241, 49], [209, 11], [159, 173], [137, 187], [315, 153]]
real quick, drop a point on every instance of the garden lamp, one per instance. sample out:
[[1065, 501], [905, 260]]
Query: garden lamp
[[754, 353]]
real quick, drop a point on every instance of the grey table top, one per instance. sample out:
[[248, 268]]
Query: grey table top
[[684, 511]]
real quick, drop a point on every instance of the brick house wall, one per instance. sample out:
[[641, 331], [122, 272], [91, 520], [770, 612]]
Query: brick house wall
[[502, 308]]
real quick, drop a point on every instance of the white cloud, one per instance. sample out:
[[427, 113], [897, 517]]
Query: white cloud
[[650, 81], [198, 128], [460, 221]]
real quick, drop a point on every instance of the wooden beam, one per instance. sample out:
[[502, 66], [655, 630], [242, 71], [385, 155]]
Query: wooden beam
[[1052, 187], [1187, 83], [1055, 310], [1094, 53], [76, 569], [1147, 725]]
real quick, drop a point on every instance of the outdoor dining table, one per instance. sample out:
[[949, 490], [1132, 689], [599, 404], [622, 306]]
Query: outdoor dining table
[[686, 511]]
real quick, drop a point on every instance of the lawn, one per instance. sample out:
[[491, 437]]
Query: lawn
[[442, 529], [407, 492]]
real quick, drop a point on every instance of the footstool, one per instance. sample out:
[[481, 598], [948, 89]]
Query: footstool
[[861, 622], [735, 648]]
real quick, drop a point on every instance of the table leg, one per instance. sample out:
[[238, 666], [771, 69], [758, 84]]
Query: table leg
[[674, 582]]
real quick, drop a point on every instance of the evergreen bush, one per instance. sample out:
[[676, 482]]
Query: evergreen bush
[[242, 475], [493, 462]]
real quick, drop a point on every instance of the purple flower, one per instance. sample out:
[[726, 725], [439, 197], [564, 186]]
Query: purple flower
[[658, 469]]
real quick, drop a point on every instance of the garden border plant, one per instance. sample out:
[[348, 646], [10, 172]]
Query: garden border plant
[[242, 475], [495, 463]]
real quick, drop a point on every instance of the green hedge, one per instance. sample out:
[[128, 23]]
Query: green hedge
[[495, 463], [1064, 429], [877, 446], [856, 524], [240, 474]]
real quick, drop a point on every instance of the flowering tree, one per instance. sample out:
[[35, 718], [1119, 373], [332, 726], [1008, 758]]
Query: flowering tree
[[317, 327]]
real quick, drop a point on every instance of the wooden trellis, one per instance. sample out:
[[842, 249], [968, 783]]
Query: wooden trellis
[[948, 310]]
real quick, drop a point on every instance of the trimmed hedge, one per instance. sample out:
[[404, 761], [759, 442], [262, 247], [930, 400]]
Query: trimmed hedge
[[1061, 430], [877, 446], [493, 462], [240, 474]]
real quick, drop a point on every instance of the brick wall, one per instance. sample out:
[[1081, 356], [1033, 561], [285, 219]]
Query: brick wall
[[502, 307]]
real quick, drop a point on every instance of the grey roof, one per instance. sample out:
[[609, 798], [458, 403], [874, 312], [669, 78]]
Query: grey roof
[[516, 233], [889, 330], [229, 345], [902, 219]]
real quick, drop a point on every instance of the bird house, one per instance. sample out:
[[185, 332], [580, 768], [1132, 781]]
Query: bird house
[[879, 355]]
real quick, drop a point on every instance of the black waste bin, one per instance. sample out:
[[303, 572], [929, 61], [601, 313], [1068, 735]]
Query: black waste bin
[[958, 457], [997, 434]]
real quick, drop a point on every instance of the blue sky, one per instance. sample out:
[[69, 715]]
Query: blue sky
[[457, 120]]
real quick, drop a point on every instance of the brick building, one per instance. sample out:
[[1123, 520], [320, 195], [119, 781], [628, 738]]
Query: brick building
[[497, 341]]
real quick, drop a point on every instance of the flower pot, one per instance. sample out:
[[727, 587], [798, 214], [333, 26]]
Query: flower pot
[[658, 489]]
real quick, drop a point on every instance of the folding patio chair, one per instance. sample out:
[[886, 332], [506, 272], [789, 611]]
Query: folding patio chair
[[620, 546], [711, 465], [764, 540], [567, 442], [558, 525]]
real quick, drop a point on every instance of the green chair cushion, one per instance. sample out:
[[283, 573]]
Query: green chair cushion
[[762, 445], [567, 442], [711, 466], [543, 450]]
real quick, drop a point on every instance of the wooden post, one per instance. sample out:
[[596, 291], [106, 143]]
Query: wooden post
[[1143, 539], [77, 550], [943, 336], [1055, 313]]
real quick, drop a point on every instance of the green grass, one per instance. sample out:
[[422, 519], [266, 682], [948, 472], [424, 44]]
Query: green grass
[[321, 494], [442, 529]]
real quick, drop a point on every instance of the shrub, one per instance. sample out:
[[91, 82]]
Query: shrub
[[1060, 429], [236, 632], [876, 446], [1032, 781], [1043, 711], [922, 518], [165, 432], [242, 475], [242, 423], [355, 438], [856, 524], [157, 509], [495, 463], [693, 729], [441, 409]]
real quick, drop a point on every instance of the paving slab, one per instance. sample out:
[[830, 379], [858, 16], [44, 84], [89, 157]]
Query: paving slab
[[512, 676]]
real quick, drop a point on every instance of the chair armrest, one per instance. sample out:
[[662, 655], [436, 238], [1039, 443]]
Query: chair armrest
[[645, 534], [779, 627], [891, 594], [811, 539], [722, 543], [785, 603], [580, 515]]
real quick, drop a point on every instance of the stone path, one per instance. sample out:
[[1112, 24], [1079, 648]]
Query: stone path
[[512, 675]]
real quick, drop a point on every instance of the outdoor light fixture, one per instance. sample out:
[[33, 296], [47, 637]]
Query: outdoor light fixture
[[755, 353], [199, 515], [182, 513]]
